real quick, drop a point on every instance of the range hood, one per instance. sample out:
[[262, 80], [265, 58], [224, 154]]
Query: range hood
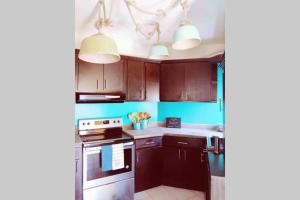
[[100, 97]]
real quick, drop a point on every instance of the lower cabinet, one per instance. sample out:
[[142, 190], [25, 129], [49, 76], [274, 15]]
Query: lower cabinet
[[174, 161], [186, 164], [172, 167], [148, 166]]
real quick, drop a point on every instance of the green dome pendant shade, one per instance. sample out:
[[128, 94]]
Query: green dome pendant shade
[[159, 51], [186, 37], [99, 49]]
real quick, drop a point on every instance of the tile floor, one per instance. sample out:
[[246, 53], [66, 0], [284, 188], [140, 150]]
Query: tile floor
[[169, 193]]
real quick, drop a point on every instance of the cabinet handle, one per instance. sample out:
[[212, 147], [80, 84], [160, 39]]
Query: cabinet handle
[[97, 84], [147, 143], [184, 154], [104, 83], [179, 154], [185, 143], [202, 160]]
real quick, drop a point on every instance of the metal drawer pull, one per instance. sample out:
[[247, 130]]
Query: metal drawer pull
[[185, 143], [147, 143], [179, 154]]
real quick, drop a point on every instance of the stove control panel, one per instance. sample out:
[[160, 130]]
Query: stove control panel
[[90, 124]]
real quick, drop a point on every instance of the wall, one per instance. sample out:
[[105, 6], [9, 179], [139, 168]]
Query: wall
[[85, 111], [194, 112]]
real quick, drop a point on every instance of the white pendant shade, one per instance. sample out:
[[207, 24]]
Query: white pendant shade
[[186, 37], [100, 49], [159, 51]]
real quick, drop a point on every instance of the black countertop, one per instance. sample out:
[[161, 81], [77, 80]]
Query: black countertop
[[217, 164]]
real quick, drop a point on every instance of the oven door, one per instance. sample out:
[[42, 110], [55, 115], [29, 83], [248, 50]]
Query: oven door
[[92, 167]]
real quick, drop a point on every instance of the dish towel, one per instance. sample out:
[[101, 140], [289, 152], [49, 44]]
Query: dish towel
[[112, 157], [117, 156]]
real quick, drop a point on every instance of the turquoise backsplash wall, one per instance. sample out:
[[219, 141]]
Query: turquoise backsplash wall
[[85, 111], [194, 112], [190, 112]]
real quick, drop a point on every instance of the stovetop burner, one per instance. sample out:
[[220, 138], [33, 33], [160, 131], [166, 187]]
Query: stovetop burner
[[102, 131], [91, 138]]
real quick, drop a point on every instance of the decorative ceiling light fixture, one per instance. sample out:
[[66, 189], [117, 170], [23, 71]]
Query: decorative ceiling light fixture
[[187, 35], [157, 51], [100, 48]]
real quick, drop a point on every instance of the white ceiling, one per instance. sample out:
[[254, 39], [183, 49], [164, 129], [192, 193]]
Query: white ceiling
[[207, 15]]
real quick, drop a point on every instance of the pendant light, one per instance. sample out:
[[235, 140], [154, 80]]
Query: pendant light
[[187, 35], [158, 51], [99, 48]]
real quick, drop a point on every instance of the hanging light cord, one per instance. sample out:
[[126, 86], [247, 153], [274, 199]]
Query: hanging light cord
[[104, 21], [157, 13], [185, 8], [102, 18]]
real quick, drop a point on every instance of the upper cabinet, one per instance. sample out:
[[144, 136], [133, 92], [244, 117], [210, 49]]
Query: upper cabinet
[[99, 78], [147, 80], [172, 82], [142, 81], [135, 81], [199, 80], [90, 77], [113, 77], [191, 81], [152, 71]]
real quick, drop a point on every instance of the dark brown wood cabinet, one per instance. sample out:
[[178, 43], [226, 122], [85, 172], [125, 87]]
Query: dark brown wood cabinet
[[135, 81], [186, 164], [196, 173], [148, 167], [198, 81], [172, 167], [152, 71], [92, 77], [78, 173], [190, 81], [213, 89], [172, 82], [114, 77]]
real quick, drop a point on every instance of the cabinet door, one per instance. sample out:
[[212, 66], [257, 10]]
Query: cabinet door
[[90, 77], [214, 83], [194, 169], [172, 82], [172, 167], [113, 77], [135, 80], [152, 81], [198, 81], [148, 168]]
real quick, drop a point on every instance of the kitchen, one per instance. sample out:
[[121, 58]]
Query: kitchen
[[162, 114]]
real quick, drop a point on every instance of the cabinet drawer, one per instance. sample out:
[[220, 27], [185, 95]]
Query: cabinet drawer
[[148, 142], [189, 142]]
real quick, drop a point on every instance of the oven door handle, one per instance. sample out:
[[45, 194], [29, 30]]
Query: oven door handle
[[91, 150]]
